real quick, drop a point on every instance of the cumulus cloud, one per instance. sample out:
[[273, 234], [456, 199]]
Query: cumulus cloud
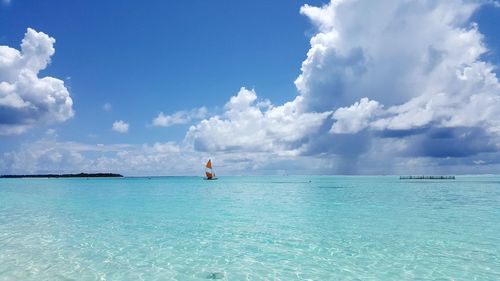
[[27, 100], [353, 119], [120, 126], [179, 117], [419, 80], [430, 76], [390, 74], [249, 125], [389, 51]]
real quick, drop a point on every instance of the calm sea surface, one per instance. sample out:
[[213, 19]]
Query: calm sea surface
[[250, 228]]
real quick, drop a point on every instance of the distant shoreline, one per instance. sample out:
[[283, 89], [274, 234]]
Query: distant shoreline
[[80, 175]]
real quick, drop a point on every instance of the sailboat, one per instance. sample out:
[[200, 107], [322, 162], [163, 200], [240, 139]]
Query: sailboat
[[209, 171]]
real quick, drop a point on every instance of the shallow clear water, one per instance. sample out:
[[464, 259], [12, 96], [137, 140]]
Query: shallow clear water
[[250, 228]]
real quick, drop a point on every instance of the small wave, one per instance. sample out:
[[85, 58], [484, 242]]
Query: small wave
[[291, 182]]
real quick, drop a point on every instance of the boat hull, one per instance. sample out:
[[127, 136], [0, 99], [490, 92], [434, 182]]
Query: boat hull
[[212, 179]]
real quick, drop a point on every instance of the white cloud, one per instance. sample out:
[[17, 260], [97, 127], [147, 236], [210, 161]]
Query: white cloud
[[169, 158], [160, 158], [247, 125], [427, 76], [167, 147], [26, 100], [479, 162], [120, 126], [50, 155], [389, 50], [350, 120], [179, 117]]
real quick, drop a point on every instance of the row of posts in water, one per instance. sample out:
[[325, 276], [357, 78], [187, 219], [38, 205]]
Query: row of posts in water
[[427, 177]]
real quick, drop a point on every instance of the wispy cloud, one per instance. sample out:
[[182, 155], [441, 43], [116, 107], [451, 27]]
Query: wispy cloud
[[159, 158], [179, 117]]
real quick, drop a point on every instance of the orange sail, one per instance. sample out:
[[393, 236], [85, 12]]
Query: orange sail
[[209, 172]]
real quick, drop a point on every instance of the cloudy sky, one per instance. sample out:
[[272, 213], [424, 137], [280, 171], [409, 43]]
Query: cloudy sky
[[260, 87]]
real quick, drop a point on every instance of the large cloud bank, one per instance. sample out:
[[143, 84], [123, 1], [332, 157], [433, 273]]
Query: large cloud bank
[[27, 100], [421, 59], [382, 79]]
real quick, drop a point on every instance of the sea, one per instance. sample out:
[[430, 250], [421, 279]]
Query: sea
[[250, 228]]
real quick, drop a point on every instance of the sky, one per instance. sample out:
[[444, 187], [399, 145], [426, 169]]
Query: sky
[[260, 87]]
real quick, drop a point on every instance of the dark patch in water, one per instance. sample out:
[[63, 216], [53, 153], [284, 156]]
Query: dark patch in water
[[215, 275]]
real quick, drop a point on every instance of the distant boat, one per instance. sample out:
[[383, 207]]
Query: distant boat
[[209, 172]]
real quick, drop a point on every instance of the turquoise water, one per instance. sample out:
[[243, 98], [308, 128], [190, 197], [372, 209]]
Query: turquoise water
[[250, 228]]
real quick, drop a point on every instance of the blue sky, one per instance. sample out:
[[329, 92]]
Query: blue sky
[[240, 81], [143, 58]]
